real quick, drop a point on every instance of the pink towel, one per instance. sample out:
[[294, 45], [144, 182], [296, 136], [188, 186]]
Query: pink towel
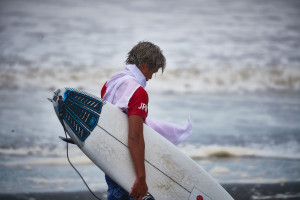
[[121, 87]]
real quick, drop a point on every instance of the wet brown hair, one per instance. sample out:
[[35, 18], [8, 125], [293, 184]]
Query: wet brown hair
[[146, 52]]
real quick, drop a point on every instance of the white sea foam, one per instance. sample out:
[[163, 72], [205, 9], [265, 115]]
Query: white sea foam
[[43, 181], [77, 48], [218, 151], [51, 156], [34, 150], [78, 160], [219, 170], [277, 196], [191, 80], [234, 151]]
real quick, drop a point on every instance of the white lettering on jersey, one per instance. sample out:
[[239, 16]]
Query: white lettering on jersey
[[143, 107]]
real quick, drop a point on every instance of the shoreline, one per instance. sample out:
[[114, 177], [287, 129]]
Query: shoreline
[[243, 191]]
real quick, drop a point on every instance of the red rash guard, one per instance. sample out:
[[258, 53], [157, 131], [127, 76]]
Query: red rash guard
[[138, 103]]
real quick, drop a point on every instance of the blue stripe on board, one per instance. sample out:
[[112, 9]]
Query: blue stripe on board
[[87, 133], [89, 125], [69, 93]]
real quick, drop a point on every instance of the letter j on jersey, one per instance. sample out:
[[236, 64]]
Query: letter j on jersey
[[143, 107]]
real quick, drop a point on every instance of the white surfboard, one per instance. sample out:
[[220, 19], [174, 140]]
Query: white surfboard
[[100, 130]]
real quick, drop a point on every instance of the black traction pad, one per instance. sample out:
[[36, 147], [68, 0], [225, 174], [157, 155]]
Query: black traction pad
[[81, 113]]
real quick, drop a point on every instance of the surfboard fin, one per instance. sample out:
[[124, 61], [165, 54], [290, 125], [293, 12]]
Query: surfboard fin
[[50, 100], [68, 140]]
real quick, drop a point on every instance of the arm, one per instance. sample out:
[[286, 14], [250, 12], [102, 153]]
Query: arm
[[136, 145]]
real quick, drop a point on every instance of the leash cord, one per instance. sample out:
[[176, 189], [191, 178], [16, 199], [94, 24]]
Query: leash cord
[[60, 117], [78, 171]]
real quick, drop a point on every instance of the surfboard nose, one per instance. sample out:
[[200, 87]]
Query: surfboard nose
[[58, 101], [57, 96], [77, 112]]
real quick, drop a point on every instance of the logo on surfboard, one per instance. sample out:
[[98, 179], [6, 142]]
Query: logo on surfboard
[[198, 195], [92, 121]]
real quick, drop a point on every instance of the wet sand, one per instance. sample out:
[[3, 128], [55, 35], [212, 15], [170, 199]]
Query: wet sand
[[287, 191]]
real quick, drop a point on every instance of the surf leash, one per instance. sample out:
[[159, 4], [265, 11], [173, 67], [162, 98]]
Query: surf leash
[[68, 140]]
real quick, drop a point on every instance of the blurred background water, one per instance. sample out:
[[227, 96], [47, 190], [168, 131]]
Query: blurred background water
[[209, 45], [233, 66]]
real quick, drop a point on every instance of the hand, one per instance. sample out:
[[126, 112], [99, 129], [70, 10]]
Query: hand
[[139, 189]]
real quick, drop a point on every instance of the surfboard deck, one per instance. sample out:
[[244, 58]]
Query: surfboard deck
[[100, 130]]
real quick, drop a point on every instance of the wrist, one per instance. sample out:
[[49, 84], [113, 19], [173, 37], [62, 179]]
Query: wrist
[[141, 177]]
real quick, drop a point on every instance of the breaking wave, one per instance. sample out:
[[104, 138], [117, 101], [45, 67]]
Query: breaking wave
[[215, 151], [190, 80], [45, 156]]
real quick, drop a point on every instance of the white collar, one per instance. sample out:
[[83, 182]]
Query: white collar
[[135, 72]]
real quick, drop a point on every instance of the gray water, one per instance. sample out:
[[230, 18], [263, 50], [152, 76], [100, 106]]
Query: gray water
[[237, 138], [100, 33], [232, 66], [237, 45]]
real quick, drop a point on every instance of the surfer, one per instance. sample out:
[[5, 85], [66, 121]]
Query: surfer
[[126, 91]]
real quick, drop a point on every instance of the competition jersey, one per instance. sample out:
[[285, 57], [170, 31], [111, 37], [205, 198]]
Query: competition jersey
[[138, 103]]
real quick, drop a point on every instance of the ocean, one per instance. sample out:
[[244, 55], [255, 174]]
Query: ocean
[[233, 68]]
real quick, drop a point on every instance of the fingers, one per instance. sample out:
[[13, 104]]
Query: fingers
[[136, 195], [139, 190], [133, 192]]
